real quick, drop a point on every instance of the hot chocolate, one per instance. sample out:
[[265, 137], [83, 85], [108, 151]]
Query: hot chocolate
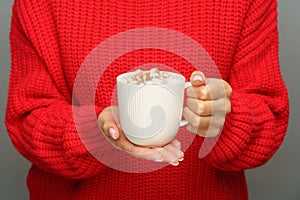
[[154, 75]]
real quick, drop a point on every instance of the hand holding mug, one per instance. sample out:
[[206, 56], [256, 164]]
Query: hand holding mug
[[207, 104], [109, 124]]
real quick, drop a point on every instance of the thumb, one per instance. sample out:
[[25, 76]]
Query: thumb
[[108, 124], [197, 78], [111, 130]]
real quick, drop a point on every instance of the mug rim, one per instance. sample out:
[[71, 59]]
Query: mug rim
[[180, 80]]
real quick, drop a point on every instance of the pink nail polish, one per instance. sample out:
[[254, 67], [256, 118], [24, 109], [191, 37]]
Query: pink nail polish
[[112, 133], [197, 78]]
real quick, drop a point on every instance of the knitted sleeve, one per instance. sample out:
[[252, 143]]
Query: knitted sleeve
[[256, 127], [39, 119]]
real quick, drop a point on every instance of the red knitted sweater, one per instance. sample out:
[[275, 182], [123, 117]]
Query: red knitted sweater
[[49, 41]]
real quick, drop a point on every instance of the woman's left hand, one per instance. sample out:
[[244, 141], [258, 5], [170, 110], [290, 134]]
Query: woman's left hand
[[207, 104]]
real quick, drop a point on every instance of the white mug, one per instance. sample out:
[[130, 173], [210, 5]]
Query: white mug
[[150, 114]]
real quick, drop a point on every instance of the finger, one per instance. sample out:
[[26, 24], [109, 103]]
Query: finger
[[166, 153], [111, 130], [174, 150], [209, 107], [192, 129], [108, 124], [205, 92], [218, 88], [176, 143], [190, 117], [199, 107], [195, 120], [149, 154], [137, 151], [214, 89], [115, 115], [228, 106], [168, 156], [106, 114], [228, 89], [197, 78], [211, 125], [200, 92], [203, 122]]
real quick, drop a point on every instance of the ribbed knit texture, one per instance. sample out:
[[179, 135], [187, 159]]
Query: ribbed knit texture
[[49, 41]]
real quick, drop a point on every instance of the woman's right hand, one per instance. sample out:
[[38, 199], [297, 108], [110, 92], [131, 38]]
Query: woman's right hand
[[109, 124]]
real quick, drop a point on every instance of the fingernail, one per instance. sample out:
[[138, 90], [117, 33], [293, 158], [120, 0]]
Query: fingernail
[[197, 78], [180, 159], [159, 160], [112, 133], [175, 164]]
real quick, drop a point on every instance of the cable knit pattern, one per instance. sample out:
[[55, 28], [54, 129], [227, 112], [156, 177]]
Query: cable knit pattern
[[49, 41]]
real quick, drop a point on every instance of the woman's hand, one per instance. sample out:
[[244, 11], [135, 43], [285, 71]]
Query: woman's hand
[[208, 103], [109, 124]]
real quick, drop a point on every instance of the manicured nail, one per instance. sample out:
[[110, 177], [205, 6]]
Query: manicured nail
[[112, 133], [180, 159], [197, 78], [159, 160], [175, 164]]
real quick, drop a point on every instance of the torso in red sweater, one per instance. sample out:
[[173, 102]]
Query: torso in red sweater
[[49, 41]]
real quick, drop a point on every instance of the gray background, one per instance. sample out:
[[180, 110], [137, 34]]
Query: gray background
[[278, 179]]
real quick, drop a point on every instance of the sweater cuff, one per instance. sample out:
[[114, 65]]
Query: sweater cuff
[[237, 128], [235, 135], [83, 145], [247, 138]]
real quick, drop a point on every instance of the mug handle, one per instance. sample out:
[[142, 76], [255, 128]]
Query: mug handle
[[184, 122]]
